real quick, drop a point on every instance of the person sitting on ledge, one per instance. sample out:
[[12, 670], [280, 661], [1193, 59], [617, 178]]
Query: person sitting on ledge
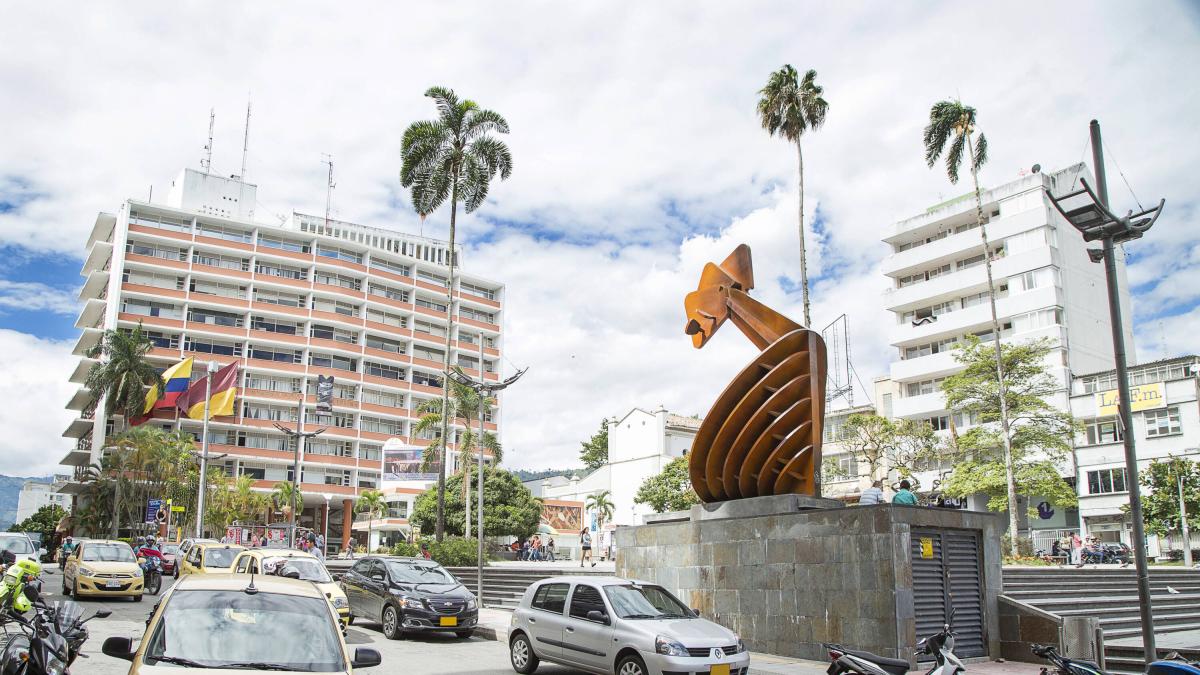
[[904, 495], [872, 495]]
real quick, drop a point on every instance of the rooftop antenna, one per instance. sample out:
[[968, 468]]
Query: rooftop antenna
[[245, 140], [206, 163], [329, 185]]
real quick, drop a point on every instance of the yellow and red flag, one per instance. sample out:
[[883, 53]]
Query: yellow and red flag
[[220, 398]]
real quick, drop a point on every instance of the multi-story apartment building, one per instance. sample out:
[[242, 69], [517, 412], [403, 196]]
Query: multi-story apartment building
[[1166, 423], [1046, 286], [288, 302]]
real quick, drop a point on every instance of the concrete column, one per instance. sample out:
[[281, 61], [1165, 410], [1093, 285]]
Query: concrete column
[[347, 521]]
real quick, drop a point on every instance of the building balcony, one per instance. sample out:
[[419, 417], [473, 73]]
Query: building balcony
[[155, 262], [98, 257], [334, 291], [957, 246], [80, 455], [225, 243], [161, 233], [153, 292], [392, 357], [390, 303], [963, 282], [217, 300], [392, 276], [925, 367], [93, 312], [977, 318], [220, 272], [282, 255], [324, 344], [89, 338], [388, 330], [103, 228], [436, 288], [482, 302], [359, 269], [79, 427], [79, 375], [272, 308], [152, 321], [924, 405], [482, 325], [95, 285], [344, 320], [268, 336], [286, 283]]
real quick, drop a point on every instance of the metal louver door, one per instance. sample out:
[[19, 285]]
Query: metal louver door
[[946, 575]]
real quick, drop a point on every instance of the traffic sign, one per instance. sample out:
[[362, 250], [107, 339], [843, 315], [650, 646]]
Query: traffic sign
[[177, 509]]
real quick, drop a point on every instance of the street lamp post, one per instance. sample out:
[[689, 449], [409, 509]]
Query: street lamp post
[[299, 434], [1095, 221], [325, 532], [1183, 524], [484, 389], [211, 367]]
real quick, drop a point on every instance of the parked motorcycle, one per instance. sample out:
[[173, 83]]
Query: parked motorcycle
[[69, 622], [939, 645], [151, 574], [1174, 664]]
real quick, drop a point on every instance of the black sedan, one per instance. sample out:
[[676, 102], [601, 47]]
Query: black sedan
[[409, 595]]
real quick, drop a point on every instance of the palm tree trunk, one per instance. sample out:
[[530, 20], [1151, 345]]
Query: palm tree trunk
[[116, 519], [440, 531], [1009, 477], [803, 249]]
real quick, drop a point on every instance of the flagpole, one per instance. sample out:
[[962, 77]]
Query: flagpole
[[212, 368], [296, 468]]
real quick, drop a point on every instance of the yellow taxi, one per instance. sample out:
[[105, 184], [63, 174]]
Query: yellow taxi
[[102, 568], [226, 623], [206, 557], [298, 565]]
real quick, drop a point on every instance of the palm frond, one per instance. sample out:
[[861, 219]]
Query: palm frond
[[954, 156], [815, 107], [474, 186], [481, 121], [445, 100], [493, 154], [980, 152], [942, 117]]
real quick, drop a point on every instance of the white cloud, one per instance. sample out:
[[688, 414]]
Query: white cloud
[[34, 389], [638, 155], [33, 296]]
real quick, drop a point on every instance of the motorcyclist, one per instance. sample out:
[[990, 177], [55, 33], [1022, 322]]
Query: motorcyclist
[[68, 547], [149, 548]]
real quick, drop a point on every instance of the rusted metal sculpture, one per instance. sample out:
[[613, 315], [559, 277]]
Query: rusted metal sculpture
[[763, 435]]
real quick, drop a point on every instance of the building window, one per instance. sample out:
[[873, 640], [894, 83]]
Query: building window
[[1162, 422], [153, 251], [338, 253], [431, 278], [847, 467], [387, 318], [168, 281], [275, 354], [1105, 481], [923, 387], [385, 344], [394, 268], [150, 308], [279, 298], [388, 292], [426, 380], [206, 346], [220, 232], [383, 370], [939, 423], [429, 304], [476, 315], [429, 328], [284, 244], [332, 361], [214, 288], [273, 325], [340, 280], [478, 291], [1105, 430], [214, 318], [222, 261], [335, 306], [335, 334], [283, 271]]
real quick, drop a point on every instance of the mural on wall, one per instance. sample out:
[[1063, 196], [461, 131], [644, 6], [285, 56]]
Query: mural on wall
[[563, 518], [403, 463], [763, 434]]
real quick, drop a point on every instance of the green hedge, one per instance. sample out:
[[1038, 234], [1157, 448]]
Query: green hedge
[[451, 552], [405, 548]]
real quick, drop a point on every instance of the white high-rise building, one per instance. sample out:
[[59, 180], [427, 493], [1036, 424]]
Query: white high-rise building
[[1046, 287]]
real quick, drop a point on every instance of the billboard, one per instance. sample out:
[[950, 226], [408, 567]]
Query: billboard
[[403, 463], [1144, 397]]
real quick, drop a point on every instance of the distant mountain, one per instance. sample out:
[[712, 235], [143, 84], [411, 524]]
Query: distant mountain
[[10, 491], [527, 475]]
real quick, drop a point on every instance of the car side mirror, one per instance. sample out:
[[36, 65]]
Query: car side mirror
[[365, 657], [118, 648], [597, 616], [695, 612]]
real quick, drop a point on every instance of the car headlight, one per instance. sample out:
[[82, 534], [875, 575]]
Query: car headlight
[[340, 603], [83, 571], [471, 603], [741, 645], [412, 603], [669, 647]]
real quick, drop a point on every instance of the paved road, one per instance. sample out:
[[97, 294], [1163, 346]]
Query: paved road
[[433, 655]]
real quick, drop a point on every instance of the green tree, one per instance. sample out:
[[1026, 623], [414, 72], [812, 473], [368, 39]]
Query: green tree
[[886, 446], [1160, 501], [954, 123], [788, 107], [287, 496], [669, 490], [372, 503], [602, 504], [1038, 437], [123, 372], [455, 157], [594, 452], [44, 521], [510, 509]]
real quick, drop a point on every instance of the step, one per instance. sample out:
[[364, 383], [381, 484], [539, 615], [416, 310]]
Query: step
[[1194, 624], [1134, 620], [1168, 599]]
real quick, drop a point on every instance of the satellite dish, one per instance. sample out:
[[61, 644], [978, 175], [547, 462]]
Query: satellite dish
[[1037, 168]]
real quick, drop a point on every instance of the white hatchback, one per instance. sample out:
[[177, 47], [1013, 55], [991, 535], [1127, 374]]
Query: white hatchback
[[616, 626]]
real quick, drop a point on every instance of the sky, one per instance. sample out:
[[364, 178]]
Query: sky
[[637, 152]]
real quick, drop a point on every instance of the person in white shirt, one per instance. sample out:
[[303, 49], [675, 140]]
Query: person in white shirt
[[872, 495]]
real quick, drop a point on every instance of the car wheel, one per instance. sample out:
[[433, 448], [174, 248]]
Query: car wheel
[[65, 591], [350, 619], [464, 634], [520, 652], [391, 623], [631, 665], [75, 589], [138, 597]]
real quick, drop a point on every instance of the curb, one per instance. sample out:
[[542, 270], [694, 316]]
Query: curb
[[489, 633]]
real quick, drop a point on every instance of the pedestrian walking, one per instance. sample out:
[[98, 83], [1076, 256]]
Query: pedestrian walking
[[321, 546], [535, 548], [550, 549], [904, 495], [1076, 550], [585, 543], [872, 495]]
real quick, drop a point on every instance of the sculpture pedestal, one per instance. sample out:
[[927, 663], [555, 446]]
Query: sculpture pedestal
[[789, 572]]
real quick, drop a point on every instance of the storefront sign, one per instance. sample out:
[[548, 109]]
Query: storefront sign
[[1142, 397]]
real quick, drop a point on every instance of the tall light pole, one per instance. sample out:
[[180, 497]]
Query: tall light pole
[[1183, 524], [299, 434], [325, 533], [484, 389], [1095, 221], [211, 367]]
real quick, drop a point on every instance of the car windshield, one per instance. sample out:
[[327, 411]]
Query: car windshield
[[171, 549], [228, 629], [419, 572], [18, 544], [220, 557], [633, 601], [108, 553], [308, 568]]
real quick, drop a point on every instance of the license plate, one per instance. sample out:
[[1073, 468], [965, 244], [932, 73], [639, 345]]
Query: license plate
[[720, 669], [453, 621], [112, 583]]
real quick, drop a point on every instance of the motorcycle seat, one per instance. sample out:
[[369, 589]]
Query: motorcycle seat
[[896, 666]]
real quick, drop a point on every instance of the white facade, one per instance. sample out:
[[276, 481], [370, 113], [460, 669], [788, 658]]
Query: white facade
[[1046, 287], [1166, 424], [640, 444], [36, 494]]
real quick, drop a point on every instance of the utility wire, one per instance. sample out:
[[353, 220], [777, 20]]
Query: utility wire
[[1108, 151], [860, 383]]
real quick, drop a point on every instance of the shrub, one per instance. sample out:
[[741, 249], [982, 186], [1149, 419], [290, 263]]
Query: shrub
[[1177, 554], [1024, 546], [405, 548], [455, 552]]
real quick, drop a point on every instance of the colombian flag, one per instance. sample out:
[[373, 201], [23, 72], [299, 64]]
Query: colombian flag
[[224, 391], [176, 378]]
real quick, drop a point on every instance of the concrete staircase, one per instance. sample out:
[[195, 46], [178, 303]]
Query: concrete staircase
[[503, 586], [1110, 594]]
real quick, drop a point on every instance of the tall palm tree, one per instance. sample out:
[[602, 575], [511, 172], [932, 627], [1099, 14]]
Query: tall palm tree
[[954, 123], [288, 496], [455, 157], [788, 107], [602, 504], [123, 373], [372, 503]]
